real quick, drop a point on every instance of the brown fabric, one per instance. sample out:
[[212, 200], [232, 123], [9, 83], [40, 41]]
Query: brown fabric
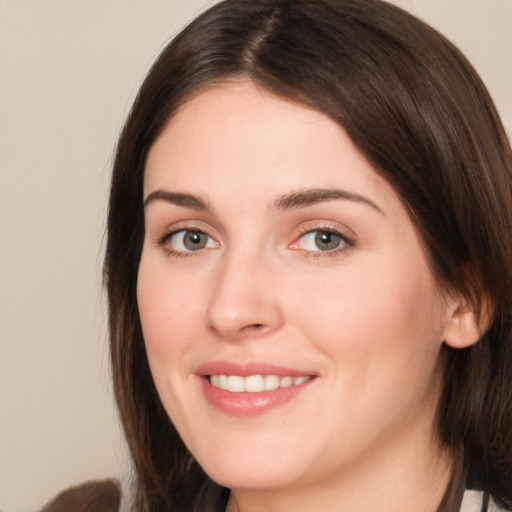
[[96, 496]]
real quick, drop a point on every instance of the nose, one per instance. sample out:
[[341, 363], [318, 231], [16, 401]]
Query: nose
[[244, 301]]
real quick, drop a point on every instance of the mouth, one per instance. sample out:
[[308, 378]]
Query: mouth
[[251, 389], [254, 383]]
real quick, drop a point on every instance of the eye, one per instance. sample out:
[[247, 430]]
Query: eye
[[187, 240], [322, 240]]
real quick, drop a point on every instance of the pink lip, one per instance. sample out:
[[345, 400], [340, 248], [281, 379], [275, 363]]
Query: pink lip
[[244, 370], [249, 404]]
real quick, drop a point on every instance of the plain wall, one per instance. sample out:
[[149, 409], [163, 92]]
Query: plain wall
[[69, 71]]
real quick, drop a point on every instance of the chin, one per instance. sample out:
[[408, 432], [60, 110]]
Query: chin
[[255, 473], [250, 478]]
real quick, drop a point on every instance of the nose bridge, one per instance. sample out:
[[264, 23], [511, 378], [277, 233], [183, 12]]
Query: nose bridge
[[242, 301]]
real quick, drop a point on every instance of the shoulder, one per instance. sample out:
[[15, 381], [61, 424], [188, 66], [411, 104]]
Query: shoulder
[[95, 496]]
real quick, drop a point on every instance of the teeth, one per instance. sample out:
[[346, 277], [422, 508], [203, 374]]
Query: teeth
[[223, 382], [236, 384], [271, 382], [254, 383], [286, 382]]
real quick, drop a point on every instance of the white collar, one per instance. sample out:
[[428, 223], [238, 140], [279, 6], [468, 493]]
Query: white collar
[[473, 500]]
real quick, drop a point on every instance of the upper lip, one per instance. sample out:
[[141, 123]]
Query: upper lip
[[247, 369]]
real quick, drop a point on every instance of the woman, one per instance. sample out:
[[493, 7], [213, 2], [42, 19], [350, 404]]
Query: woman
[[308, 267]]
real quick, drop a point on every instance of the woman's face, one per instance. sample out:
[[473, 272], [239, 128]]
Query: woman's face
[[279, 265]]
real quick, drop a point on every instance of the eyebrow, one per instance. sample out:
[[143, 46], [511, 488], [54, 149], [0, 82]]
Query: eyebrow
[[291, 201], [177, 198], [309, 197]]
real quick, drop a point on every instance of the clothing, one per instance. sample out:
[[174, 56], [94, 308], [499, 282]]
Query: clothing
[[94, 496], [473, 500]]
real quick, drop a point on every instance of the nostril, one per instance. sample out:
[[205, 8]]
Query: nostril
[[253, 328]]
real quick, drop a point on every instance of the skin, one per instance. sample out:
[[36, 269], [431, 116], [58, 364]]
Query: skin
[[366, 318]]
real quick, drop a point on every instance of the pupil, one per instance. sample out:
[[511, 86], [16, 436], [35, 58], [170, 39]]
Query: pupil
[[327, 241]]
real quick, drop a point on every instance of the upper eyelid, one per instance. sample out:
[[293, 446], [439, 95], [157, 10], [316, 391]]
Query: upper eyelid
[[349, 240], [181, 225], [167, 234], [325, 225]]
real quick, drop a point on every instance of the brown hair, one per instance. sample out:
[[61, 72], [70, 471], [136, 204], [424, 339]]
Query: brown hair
[[420, 114]]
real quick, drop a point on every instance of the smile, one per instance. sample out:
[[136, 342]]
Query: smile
[[254, 383], [252, 388]]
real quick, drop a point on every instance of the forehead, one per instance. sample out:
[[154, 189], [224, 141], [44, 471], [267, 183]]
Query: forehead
[[237, 137]]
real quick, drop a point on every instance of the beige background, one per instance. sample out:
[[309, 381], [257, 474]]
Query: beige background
[[68, 73]]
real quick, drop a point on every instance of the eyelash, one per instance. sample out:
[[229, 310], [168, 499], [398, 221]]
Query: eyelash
[[346, 242], [168, 236]]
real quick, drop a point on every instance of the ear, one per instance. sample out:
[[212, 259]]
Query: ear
[[466, 326], [462, 329]]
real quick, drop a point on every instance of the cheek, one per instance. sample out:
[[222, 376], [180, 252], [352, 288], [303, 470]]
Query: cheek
[[169, 317], [168, 312], [375, 320]]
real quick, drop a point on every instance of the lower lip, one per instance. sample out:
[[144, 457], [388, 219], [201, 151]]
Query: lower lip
[[251, 404]]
